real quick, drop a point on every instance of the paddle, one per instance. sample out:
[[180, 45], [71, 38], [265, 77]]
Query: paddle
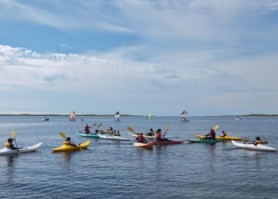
[[99, 125], [62, 134], [167, 129], [129, 128], [13, 136], [94, 124], [216, 127]]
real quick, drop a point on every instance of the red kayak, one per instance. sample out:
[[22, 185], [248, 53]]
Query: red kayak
[[167, 142]]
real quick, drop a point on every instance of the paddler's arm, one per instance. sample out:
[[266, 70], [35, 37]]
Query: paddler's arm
[[72, 144]]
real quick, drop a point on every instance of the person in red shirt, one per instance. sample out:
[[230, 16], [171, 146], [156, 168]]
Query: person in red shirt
[[211, 135], [159, 136], [140, 138], [87, 129]]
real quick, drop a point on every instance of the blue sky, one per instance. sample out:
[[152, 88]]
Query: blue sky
[[207, 57]]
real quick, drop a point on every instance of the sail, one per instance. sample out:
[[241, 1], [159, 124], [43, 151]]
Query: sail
[[184, 116], [149, 116], [117, 116], [72, 116]]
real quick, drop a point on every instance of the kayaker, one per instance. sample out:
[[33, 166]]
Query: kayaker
[[257, 141], [87, 129], [69, 142], [140, 138], [210, 135], [150, 133], [158, 136], [9, 144], [224, 134]]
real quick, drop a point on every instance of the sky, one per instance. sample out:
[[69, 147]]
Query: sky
[[213, 57]]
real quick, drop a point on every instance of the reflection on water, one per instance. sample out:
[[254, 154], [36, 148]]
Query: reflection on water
[[67, 156], [11, 163], [11, 159]]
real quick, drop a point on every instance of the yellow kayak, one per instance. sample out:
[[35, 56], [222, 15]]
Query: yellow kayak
[[64, 147], [226, 138]]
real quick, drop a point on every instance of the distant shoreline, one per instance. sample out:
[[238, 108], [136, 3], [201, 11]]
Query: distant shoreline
[[107, 115], [27, 114]]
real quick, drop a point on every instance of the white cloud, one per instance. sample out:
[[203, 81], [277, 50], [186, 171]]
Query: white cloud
[[113, 75], [211, 53]]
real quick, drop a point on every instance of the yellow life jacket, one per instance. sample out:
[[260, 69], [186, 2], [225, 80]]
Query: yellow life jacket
[[8, 145], [66, 142]]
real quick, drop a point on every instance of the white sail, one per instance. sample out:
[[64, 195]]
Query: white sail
[[72, 116], [149, 116], [184, 116], [117, 116]]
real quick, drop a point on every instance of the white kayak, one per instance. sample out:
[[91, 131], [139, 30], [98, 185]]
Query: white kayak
[[6, 151], [112, 137], [148, 145], [251, 146]]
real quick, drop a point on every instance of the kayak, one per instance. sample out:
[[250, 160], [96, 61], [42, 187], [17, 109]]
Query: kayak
[[143, 145], [226, 138], [168, 142], [90, 135], [27, 149], [112, 137], [64, 147], [251, 146], [107, 131], [208, 141]]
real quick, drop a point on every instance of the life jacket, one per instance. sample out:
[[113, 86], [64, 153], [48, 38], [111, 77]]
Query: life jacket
[[87, 129], [158, 135], [140, 139], [212, 135], [66, 142], [8, 145]]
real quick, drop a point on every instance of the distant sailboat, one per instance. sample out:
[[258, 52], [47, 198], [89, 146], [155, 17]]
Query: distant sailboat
[[72, 116], [149, 116], [184, 116], [117, 116], [45, 118]]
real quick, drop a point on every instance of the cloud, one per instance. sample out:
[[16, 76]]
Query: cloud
[[190, 53], [116, 75]]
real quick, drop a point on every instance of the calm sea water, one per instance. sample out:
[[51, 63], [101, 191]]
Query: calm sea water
[[113, 169]]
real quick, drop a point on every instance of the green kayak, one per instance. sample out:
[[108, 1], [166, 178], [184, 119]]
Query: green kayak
[[90, 135]]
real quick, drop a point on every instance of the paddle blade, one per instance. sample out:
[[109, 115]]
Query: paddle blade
[[63, 135], [94, 124], [216, 127], [13, 134], [99, 125], [129, 128]]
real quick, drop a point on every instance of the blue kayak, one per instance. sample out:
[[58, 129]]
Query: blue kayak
[[88, 135]]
